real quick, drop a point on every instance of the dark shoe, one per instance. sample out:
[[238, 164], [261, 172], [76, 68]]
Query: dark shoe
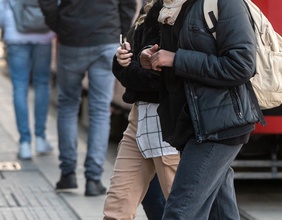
[[67, 182], [94, 188]]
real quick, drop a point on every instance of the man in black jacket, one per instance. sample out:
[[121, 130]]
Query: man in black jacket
[[88, 34]]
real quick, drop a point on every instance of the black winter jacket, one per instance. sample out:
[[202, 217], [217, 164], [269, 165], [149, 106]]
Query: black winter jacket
[[88, 22], [140, 84], [217, 71]]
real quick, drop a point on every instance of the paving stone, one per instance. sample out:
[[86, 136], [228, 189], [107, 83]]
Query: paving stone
[[27, 195]]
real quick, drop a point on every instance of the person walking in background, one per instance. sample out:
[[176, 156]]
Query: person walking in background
[[88, 35], [141, 152], [208, 107], [28, 55]]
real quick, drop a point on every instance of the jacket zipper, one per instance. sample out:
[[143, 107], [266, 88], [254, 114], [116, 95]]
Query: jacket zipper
[[199, 135], [238, 101]]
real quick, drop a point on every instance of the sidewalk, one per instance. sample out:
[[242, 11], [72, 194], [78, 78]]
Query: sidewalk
[[29, 193]]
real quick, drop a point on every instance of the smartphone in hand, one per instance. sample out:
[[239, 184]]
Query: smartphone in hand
[[121, 43]]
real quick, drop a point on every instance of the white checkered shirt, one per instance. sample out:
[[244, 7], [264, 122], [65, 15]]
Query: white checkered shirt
[[149, 136]]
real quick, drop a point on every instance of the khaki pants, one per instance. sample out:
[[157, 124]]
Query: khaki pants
[[132, 175]]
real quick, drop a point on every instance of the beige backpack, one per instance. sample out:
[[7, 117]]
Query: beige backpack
[[267, 81]]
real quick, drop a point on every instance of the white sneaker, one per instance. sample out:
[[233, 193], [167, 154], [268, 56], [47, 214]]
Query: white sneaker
[[43, 146], [25, 151]]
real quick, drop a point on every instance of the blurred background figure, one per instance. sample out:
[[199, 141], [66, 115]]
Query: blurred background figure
[[88, 35], [29, 58]]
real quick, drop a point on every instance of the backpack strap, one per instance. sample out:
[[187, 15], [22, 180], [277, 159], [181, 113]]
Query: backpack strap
[[211, 15]]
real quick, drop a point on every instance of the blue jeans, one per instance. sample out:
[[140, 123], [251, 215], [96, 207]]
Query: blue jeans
[[154, 200], [24, 61], [203, 186], [72, 65]]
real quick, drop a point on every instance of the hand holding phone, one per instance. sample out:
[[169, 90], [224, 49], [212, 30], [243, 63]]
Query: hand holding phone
[[123, 53], [124, 44]]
